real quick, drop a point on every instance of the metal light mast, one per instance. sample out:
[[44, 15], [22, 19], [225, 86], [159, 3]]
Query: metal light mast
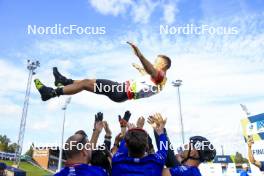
[[31, 66], [177, 84], [64, 108]]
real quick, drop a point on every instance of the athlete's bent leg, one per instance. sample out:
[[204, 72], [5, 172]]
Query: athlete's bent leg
[[78, 86], [91, 85]]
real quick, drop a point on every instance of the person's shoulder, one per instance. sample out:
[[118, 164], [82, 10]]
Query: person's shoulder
[[160, 77], [243, 173], [91, 170], [154, 158], [98, 170], [185, 170], [262, 166], [62, 172], [119, 157]]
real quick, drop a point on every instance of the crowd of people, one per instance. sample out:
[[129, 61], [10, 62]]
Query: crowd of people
[[133, 151]]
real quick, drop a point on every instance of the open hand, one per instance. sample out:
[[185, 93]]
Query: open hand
[[130, 126], [123, 121], [140, 122], [157, 122]]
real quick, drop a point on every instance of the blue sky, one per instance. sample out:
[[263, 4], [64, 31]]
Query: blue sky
[[219, 71]]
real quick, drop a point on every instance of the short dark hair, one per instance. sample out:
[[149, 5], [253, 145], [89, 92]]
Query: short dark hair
[[137, 142], [168, 60], [100, 158], [81, 132], [71, 148]]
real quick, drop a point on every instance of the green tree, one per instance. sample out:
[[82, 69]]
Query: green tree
[[4, 141], [12, 148], [30, 150], [240, 159]]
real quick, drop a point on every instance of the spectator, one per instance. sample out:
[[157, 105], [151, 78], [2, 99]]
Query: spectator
[[78, 153], [108, 135], [102, 158], [2, 169], [244, 171], [132, 158], [198, 150], [251, 157], [171, 160]]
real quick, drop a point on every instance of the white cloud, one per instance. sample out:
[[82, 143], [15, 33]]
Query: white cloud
[[112, 7], [142, 11], [170, 11], [139, 11], [219, 73]]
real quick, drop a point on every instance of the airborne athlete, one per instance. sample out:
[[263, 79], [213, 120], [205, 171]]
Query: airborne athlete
[[151, 83]]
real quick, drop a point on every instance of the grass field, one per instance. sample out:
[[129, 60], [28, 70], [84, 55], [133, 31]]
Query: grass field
[[30, 169]]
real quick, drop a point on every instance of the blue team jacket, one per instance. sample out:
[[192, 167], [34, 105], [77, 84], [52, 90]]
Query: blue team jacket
[[81, 170], [151, 165], [262, 166], [244, 173], [185, 171]]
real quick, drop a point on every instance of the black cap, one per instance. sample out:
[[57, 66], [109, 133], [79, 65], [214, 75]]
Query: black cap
[[204, 147]]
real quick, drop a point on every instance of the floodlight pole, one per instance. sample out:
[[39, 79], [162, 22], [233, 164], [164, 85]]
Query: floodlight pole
[[64, 108], [31, 66], [178, 83]]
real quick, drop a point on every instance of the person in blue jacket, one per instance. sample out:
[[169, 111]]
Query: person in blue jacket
[[244, 171], [78, 152], [2, 169], [132, 159], [198, 150]]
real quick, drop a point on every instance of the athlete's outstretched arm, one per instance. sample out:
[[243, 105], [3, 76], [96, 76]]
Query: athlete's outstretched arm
[[149, 68]]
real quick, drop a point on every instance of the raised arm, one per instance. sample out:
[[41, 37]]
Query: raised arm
[[158, 124], [149, 68], [250, 154], [123, 122], [108, 136], [98, 126], [171, 160]]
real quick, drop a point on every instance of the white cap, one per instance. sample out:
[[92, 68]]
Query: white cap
[[244, 166]]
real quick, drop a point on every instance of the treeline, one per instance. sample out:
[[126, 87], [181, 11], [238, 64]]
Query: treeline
[[6, 145]]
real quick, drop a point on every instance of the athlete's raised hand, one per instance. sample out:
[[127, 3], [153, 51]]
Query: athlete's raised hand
[[135, 49]]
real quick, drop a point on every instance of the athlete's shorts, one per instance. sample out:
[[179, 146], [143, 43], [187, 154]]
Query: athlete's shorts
[[114, 90]]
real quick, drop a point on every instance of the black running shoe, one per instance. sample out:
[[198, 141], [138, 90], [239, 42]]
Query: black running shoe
[[45, 92], [60, 80]]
